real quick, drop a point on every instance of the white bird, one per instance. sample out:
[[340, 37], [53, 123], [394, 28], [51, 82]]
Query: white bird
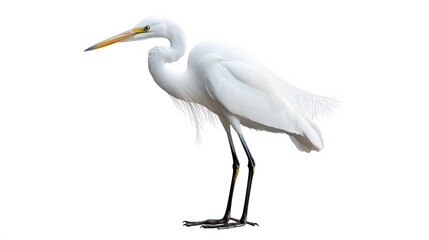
[[226, 81]]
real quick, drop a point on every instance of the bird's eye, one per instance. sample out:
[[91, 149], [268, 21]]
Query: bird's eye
[[146, 28]]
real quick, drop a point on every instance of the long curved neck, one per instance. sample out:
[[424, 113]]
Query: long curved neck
[[173, 84]]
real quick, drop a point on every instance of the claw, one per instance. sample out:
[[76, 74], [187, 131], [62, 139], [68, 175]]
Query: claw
[[219, 224]]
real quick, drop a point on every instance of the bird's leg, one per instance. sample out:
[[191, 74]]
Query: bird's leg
[[251, 164], [235, 171], [243, 220], [227, 216]]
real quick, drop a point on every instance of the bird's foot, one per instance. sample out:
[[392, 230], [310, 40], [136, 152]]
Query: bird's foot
[[222, 223]]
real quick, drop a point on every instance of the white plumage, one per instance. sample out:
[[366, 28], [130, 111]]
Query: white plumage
[[256, 97], [228, 82]]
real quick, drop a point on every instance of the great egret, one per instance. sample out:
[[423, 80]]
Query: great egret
[[226, 81]]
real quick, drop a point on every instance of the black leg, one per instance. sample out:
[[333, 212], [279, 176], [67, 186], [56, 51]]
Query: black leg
[[251, 165], [223, 223], [235, 171], [243, 220], [227, 216]]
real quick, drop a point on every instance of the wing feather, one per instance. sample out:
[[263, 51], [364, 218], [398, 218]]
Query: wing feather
[[247, 89], [262, 108], [255, 75]]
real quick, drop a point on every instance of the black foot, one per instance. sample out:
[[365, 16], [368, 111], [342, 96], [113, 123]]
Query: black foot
[[219, 223]]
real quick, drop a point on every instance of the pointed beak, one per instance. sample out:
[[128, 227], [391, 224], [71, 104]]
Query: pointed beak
[[118, 38]]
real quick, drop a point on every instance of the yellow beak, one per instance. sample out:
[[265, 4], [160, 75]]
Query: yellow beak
[[120, 37]]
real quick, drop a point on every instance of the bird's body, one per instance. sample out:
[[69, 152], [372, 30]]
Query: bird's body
[[241, 91], [235, 87]]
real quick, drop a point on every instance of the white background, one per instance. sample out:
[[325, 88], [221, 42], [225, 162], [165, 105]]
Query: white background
[[91, 148]]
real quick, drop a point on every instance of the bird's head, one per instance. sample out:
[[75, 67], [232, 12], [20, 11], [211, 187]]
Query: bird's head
[[151, 27]]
